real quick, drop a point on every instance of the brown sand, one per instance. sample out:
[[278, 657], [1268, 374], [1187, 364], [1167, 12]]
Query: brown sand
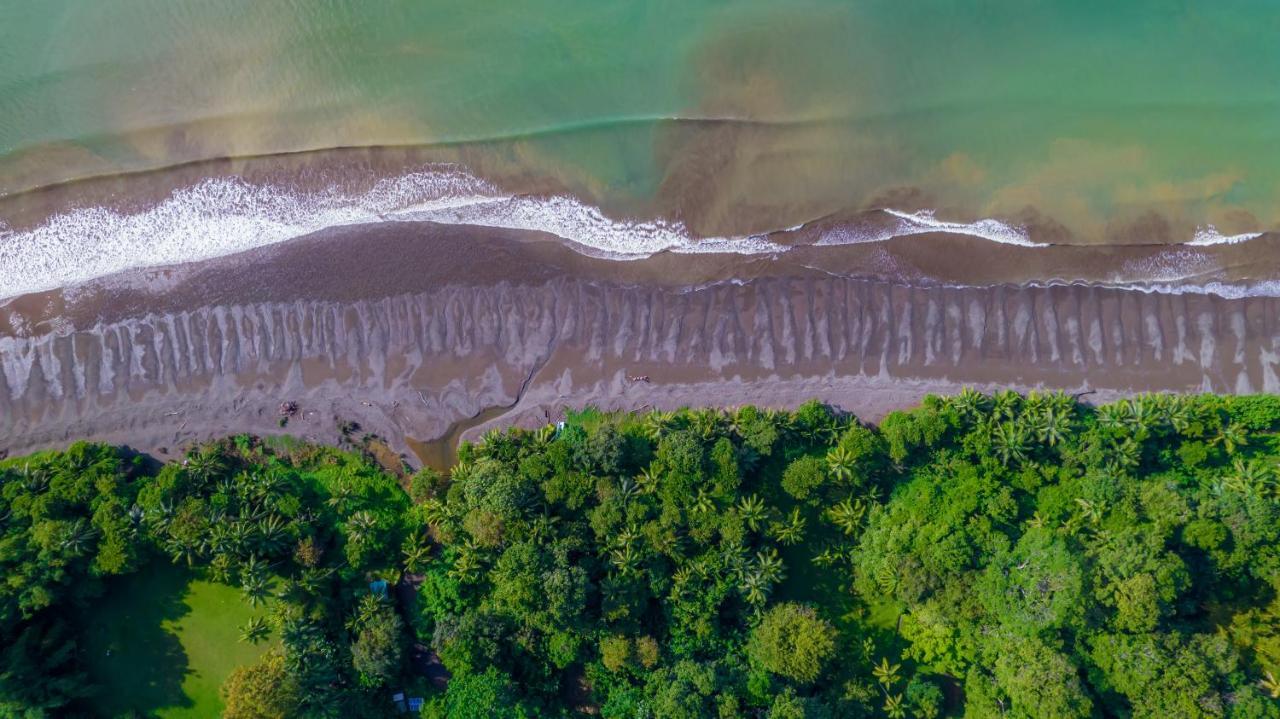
[[417, 331]]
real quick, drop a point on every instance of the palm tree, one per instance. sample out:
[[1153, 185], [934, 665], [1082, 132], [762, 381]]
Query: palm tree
[[792, 531], [625, 559], [840, 463], [1270, 685], [256, 588], [77, 537], [828, 557], [204, 464], [340, 498], [755, 589], [543, 527], [1231, 436], [1177, 414], [657, 423], [627, 488], [969, 403], [769, 565], [35, 480], [271, 534], [702, 504], [893, 706], [1009, 442], [255, 631], [367, 611], [647, 480], [181, 551], [1112, 417], [1006, 405], [1126, 454], [886, 578], [1249, 479], [886, 673], [847, 515], [1090, 511], [627, 536], [1053, 427], [753, 511], [416, 552], [360, 525], [544, 434]]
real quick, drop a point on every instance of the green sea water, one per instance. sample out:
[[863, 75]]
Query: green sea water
[[736, 115]]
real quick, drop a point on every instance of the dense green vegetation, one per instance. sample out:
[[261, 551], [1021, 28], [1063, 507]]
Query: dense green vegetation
[[978, 556]]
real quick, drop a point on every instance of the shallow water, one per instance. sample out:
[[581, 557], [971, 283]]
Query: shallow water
[[629, 127]]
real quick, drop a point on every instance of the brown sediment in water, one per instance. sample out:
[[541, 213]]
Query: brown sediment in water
[[417, 330]]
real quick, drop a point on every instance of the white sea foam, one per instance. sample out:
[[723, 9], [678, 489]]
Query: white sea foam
[[222, 216], [213, 218], [1209, 235], [919, 223]]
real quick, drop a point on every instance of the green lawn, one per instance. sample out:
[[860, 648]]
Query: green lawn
[[161, 643]]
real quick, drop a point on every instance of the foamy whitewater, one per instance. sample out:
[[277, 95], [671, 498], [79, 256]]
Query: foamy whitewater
[[224, 216]]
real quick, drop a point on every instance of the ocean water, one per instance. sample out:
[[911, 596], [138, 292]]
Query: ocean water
[[631, 127]]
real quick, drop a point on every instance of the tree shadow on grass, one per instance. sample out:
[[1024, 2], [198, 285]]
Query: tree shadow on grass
[[137, 664]]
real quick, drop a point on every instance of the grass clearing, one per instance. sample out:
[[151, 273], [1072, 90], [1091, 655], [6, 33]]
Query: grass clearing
[[162, 642]]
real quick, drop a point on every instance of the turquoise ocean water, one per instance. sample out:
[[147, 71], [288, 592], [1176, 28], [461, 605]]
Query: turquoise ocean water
[[1072, 122]]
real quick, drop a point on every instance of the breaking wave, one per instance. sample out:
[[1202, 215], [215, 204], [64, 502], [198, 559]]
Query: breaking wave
[[223, 216]]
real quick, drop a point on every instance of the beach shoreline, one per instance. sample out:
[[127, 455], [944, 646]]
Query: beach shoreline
[[412, 330]]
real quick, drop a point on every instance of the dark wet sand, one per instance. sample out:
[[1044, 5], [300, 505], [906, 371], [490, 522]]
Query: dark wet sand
[[411, 329]]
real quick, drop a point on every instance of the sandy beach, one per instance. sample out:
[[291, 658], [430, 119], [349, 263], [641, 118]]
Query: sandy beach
[[418, 331]]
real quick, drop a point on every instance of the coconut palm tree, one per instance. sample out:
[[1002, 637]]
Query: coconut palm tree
[[840, 464], [1249, 479], [894, 707], [1006, 405], [182, 551], [256, 588], [790, 532], [970, 403], [647, 480], [886, 673], [1177, 414], [1053, 426], [1270, 685], [627, 488], [1090, 511], [753, 512], [1232, 437], [35, 480], [77, 536], [769, 565], [341, 497], [828, 557], [1112, 417], [847, 515], [255, 630], [544, 434], [657, 424], [360, 525], [416, 553], [271, 535], [755, 589], [204, 464], [1010, 443], [626, 560], [702, 504]]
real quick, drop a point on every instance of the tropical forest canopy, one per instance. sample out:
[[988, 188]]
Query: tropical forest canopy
[[978, 556]]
